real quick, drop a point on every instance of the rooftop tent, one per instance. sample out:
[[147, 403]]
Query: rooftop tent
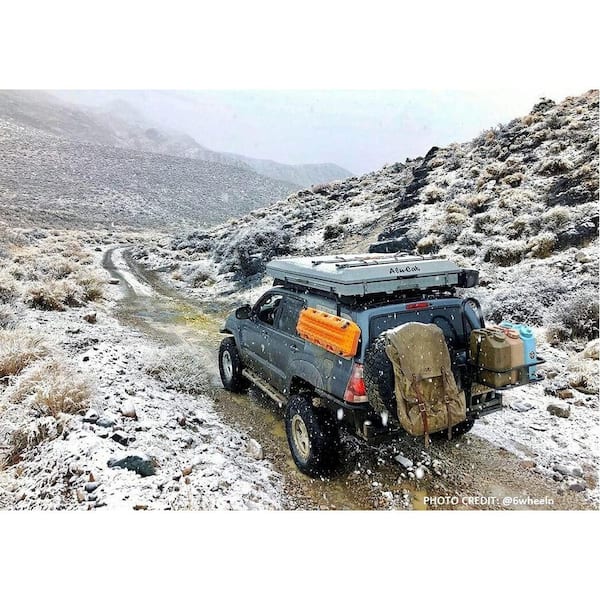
[[365, 274]]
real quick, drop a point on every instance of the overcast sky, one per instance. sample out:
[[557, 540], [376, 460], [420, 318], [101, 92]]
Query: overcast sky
[[359, 130]]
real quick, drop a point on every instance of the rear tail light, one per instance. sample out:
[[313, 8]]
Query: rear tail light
[[356, 390]]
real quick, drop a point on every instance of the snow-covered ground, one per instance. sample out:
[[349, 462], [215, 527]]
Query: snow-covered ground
[[197, 461]]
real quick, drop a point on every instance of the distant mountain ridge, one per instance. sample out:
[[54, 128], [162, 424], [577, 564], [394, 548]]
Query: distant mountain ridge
[[62, 167], [119, 124]]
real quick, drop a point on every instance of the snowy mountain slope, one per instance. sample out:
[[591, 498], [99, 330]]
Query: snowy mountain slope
[[119, 124], [519, 203], [56, 181]]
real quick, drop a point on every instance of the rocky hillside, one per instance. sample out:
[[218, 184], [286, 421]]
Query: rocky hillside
[[519, 202], [55, 181]]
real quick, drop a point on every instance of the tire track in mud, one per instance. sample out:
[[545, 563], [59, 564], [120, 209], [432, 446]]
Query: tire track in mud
[[370, 477]]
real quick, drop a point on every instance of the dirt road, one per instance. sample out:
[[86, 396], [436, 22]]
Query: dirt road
[[468, 474]]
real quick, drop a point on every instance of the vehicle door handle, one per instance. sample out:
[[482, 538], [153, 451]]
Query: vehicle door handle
[[294, 348]]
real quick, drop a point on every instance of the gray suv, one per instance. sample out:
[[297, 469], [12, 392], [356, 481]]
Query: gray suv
[[323, 392]]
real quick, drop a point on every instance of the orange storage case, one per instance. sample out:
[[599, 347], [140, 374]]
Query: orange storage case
[[333, 333]]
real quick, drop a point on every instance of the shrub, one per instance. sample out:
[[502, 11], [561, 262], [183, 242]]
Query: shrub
[[196, 275], [18, 350], [54, 387], [8, 317], [28, 436], [332, 232], [542, 245], [476, 203], [8, 289], [428, 244], [91, 287], [181, 368], [554, 166], [556, 218], [52, 295], [433, 193], [514, 179], [504, 254], [575, 315], [248, 250]]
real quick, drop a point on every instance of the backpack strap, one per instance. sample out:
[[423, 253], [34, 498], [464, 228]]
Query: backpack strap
[[445, 383], [422, 410]]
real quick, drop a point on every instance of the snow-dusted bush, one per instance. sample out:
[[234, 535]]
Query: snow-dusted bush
[[248, 251], [52, 295], [575, 315], [542, 245], [18, 349], [514, 179], [476, 203], [181, 368], [8, 316], [505, 254], [332, 232], [556, 218], [195, 274], [433, 193], [8, 288], [429, 244], [53, 386], [554, 166]]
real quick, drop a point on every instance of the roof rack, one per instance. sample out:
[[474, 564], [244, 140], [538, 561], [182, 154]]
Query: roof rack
[[368, 274]]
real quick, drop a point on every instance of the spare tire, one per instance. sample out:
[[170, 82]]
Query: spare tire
[[379, 378]]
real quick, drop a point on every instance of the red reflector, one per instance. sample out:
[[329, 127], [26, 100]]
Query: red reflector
[[356, 390], [416, 305]]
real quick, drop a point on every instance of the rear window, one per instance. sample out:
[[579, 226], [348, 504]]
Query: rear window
[[447, 318]]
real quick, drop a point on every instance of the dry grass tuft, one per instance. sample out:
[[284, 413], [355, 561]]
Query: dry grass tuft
[[54, 387], [18, 350]]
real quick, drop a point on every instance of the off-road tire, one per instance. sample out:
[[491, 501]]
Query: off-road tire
[[313, 436], [231, 366], [378, 373]]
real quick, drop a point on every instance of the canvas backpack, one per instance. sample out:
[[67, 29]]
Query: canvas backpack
[[427, 398]]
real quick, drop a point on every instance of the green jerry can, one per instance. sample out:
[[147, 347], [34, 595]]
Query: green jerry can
[[492, 354]]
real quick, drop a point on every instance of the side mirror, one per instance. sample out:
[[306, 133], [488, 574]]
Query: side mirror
[[243, 312]]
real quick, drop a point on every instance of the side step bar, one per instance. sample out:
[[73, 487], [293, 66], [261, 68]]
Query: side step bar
[[267, 388]]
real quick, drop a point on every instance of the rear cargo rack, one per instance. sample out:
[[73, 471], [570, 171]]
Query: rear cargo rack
[[522, 372]]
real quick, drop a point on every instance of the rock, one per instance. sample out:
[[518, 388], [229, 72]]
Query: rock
[[403, 461], [592, 350], [141, 464], [568, 470], [559, 409], [577, 486], [91, 416], [90, 318], [140, 507], [128, 409], [114, 281], [582, 257], [121, 437], [564, 394], [528, 464], [85, 358], [538, 427], [255, 450], [91, 486], [97, 249], [187, 470], [521, 405], [105, 421], [80, 496]]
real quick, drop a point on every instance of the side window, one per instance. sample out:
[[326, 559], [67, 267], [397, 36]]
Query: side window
[[266, 308], [288, 318]]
